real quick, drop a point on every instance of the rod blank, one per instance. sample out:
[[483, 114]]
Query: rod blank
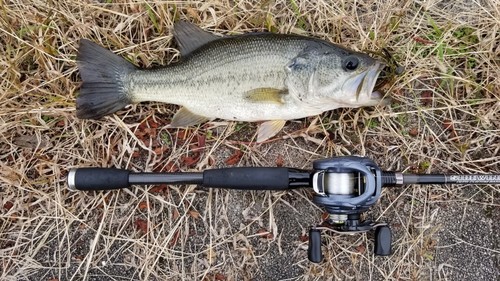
[[450, 179], [165, 178]]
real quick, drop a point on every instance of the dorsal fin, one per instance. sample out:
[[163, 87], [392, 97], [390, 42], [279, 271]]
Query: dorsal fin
[[190, 37]]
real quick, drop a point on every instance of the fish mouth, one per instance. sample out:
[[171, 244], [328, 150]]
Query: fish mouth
[[363, 85]]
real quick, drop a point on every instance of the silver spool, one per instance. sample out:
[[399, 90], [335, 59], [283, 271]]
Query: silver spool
[[339, 183]]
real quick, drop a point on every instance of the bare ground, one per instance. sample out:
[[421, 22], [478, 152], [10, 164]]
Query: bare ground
[[444, 117]]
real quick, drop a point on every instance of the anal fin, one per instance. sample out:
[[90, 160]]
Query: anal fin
[[269, 129], [185, 118]]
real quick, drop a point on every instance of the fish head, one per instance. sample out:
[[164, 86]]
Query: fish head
[[335, 77]]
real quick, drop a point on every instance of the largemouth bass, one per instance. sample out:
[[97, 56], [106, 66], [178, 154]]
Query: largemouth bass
[[253, 77]]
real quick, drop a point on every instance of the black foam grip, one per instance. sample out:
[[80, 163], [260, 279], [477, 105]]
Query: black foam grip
[[314, 251], [253, 178], [98, 179], [383, 241]]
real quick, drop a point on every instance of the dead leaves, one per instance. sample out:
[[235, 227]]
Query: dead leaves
[[196, 144], [303, 238], [449, 127], [413, 132], [159, 189], [361, 249], [8, 205], [234, 158], [426, 98], [264, 233], [215, 277], [166, 167], [174, 239], [237, 154], [280, 161], [175, 215], [423, 40], [143, 206], [190, 161], [147, 133], [220, 277], [152, 133], [141, 225], [194, 214], [148, 129]]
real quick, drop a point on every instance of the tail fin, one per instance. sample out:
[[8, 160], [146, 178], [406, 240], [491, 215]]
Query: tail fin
[[103, 91]]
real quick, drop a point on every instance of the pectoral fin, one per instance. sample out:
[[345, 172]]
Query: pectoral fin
[[269, 129], [269, 95], [185, 118]]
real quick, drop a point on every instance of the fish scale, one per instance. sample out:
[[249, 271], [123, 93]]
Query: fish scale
[[221, 75]]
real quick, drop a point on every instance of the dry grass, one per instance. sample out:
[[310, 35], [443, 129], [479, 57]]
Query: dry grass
[[445, 117]]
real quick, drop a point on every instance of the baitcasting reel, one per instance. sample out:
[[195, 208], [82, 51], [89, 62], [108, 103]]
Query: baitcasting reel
[[345, 187]]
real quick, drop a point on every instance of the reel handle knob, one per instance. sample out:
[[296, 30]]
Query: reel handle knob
[[383, 241], [314, 251]]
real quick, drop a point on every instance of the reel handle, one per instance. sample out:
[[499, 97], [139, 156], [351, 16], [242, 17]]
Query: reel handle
[[314, 250], [383, 241]]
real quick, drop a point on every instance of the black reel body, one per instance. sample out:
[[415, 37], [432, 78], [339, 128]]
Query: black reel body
[[346, 187]]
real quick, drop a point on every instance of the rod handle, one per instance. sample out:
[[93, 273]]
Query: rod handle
[[97, 179], [248, 178]]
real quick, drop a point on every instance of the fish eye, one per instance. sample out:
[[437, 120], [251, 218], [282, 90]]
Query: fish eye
[[350, 63]]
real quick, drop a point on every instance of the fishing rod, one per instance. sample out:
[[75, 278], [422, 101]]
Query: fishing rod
[[345, 187]]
